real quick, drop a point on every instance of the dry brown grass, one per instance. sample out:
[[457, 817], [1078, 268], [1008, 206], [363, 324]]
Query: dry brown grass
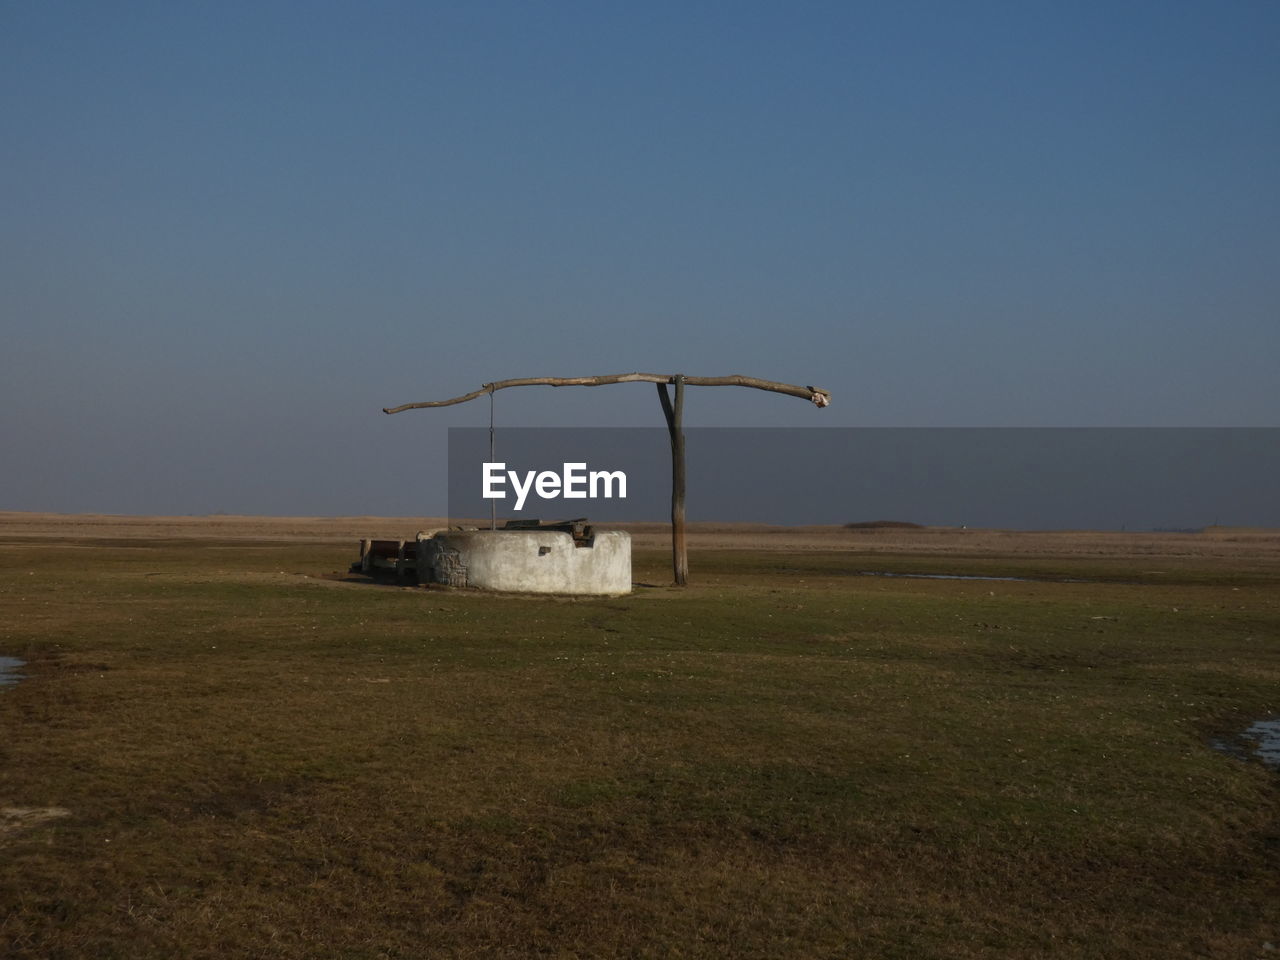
[[95, 526], [1232, 544]]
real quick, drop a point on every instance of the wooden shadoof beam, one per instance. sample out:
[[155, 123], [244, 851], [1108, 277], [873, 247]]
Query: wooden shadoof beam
[[672, 409], [818, 396]]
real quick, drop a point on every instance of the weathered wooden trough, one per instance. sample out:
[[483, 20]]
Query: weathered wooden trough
[[395, 557]]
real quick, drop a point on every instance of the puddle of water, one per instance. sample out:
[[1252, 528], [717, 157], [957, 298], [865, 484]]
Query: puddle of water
[[1261, 740], [8, 668], [1266, 734], [963, 576]]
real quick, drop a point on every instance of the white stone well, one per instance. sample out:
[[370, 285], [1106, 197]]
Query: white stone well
[[528, 560]]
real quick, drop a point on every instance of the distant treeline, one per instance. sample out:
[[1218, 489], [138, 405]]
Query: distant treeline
[[884, 525]]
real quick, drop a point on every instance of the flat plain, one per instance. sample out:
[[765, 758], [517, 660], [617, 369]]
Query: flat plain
[[226, 746]]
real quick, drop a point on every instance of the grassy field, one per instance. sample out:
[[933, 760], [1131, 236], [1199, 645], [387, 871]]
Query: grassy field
[[220, 750]]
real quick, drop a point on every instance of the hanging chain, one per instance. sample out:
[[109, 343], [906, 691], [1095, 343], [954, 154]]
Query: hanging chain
[[493, 504]]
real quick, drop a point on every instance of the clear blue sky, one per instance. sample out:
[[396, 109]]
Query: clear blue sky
[[231, 232]]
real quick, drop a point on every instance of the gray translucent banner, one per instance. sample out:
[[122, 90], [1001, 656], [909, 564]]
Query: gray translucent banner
[[1012, 478]]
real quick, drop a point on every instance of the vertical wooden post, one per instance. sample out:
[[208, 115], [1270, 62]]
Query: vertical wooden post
[[675, 417]]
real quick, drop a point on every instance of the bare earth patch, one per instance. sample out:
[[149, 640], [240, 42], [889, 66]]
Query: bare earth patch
[[15, 820]]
